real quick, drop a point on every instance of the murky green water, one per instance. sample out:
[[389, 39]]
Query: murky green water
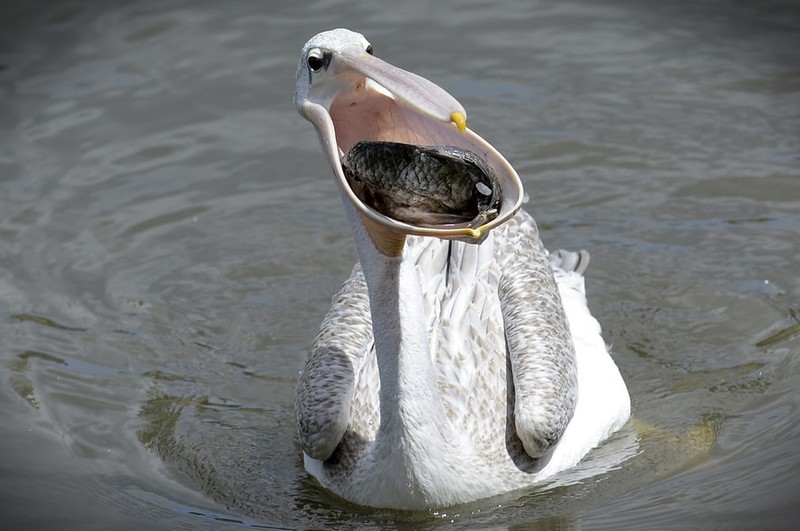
[[170, 238]]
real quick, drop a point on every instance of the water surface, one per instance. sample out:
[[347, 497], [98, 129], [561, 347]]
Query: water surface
[[170, 238]]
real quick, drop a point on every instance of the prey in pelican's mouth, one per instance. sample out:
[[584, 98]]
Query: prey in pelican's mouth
[[352, 96]]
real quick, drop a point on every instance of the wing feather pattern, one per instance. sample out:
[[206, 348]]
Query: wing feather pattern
[[538, 338], [327, 384]]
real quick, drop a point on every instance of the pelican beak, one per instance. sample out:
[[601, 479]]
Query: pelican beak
[[365, 98]]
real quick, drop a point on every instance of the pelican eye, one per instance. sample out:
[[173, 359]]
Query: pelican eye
[[316, 60], [369, 49]]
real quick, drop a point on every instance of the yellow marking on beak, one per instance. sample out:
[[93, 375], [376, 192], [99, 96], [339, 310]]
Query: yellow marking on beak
[[475, 233], [460, 120]]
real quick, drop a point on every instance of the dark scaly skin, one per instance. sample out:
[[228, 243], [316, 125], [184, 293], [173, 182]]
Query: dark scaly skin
[[423, 185]]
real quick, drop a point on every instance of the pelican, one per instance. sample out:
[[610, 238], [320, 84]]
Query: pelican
[[456, 362]]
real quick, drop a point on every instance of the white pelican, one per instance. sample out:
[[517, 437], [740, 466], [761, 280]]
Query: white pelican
[[446, 370]]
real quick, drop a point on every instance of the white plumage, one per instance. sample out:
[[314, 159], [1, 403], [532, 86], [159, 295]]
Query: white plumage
[[449, 371]]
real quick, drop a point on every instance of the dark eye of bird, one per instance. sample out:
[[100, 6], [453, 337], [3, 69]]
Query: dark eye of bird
[[315, 63], [369, 49]]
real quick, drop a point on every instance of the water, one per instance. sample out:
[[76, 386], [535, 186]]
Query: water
[[170, 238]]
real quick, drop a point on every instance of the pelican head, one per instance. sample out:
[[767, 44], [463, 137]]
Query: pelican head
[[350, 95]]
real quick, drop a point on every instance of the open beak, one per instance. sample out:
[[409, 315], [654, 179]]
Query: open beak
[[366, 98]]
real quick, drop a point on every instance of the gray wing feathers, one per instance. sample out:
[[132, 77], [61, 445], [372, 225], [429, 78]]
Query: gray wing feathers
[[327, 383], [569, 261], [539, 342]]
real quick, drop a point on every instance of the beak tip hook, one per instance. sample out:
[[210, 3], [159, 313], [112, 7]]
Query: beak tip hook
[[460, 120]]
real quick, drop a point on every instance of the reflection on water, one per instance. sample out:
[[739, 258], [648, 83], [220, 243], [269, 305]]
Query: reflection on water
[[170, 239]]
